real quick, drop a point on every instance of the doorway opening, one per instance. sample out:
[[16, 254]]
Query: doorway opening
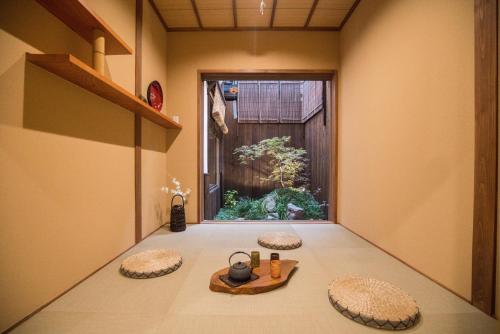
[[268, 146]]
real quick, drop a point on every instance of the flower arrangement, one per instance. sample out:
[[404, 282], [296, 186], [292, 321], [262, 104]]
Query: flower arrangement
[[177, 190]]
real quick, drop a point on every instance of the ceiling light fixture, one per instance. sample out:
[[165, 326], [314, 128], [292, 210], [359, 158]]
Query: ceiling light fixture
[[262, 6]]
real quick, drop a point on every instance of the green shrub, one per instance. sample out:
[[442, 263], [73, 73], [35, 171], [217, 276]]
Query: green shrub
[[299, 197], [230, 198], [249, 209], [256, 210], [225, 214]]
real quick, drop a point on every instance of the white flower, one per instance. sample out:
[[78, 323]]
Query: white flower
[[177, 190]]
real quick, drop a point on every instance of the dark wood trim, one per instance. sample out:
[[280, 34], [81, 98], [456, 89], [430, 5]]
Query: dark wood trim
[[17, 324], [255, 29], [405, 263], [273, 13], [349, 13], [246, 74], [249, 74], [196, 13], [334, 155], [138, 178], [199, 158], [138, 122], [160, 17], [138, 46], [485, 161], [311, 13], [235, 15], [270, 222]]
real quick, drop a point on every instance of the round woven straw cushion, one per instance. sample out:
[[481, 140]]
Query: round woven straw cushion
[[280, 240], [151, 263], [373, 303]]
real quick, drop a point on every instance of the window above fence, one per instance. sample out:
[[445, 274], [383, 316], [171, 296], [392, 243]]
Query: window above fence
[[279, 101]]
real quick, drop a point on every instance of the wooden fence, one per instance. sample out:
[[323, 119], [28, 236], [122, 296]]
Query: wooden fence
[[247, 178], [312, 135], [279, 101]]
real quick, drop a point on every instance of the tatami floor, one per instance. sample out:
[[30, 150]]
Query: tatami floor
[[181, 302]]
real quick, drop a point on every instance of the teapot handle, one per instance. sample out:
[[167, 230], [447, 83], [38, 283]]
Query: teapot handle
[[239, 252]]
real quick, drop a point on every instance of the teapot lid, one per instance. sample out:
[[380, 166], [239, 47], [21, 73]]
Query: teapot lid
[[240, 265]]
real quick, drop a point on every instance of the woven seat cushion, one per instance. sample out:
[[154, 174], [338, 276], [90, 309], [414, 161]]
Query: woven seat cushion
[[151, 263], [280, 240], [373, 303]]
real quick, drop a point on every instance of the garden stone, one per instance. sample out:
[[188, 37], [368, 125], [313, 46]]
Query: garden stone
[[294, 212], [269, 203], [272, 216]]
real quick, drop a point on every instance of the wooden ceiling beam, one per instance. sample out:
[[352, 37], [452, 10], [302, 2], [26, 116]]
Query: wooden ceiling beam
[[349, 13], [271, 26], [273, 12], [196, 13], [235, 15], [311, 13], [254, 29], [160, 17]]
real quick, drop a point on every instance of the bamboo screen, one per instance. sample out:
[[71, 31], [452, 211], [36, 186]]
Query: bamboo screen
[[248, 102], [313, 98], [269, 102], [291, 102], [279, 101]]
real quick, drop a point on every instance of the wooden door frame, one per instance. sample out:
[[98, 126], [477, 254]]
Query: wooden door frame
[[329, 75], [484, 242]]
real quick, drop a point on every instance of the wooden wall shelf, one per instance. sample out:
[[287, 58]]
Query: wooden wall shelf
[[72, 69], [81, 19]]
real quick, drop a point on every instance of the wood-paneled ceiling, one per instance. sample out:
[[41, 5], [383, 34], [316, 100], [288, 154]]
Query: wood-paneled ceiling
[[194, 15]]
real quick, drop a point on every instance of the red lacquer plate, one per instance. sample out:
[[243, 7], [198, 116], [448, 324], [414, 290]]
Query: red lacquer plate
[[155, 95]]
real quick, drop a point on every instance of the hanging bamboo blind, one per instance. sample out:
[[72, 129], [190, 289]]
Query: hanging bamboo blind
[[248, 102], [291, 102], [269, 98], [279, 101], [313, 98]]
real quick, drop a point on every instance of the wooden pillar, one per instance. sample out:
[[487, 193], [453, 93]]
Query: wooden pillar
[[485, 151], [138, 123], [99, 51]]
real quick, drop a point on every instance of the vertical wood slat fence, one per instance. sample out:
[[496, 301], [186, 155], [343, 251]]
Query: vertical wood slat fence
[[247, 179], [313, 135], [279, 101], [291, 102], [248, 102], [269, 99], [312, 99]]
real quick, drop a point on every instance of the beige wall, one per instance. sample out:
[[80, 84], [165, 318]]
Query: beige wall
[[189, 52], [154, 162], [407, 133], [67, 156]]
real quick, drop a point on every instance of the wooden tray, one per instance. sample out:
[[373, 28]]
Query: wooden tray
[[264, 283]]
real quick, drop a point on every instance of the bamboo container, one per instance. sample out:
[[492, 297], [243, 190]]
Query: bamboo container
[[275, 265], [99, 51]]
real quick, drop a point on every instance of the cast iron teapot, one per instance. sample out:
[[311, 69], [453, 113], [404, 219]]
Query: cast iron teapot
[[239, 271]]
